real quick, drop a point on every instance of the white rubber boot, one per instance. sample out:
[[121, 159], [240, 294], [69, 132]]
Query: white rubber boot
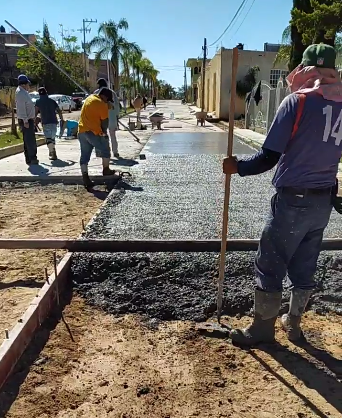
[[262, 329], [291, 321]]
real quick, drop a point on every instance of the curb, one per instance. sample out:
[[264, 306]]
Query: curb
[[253, 144], [39, 309], [98, 179], [17, 149]]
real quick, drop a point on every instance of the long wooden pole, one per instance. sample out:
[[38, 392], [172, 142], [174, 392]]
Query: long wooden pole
[[227, 185], [144, 246]]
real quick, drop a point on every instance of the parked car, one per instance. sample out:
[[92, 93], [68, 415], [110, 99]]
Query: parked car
[[78, 97], [63, 102], [34, 96], [73, 103]]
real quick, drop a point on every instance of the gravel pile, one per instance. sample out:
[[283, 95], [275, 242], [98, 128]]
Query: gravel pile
[[181, 197]]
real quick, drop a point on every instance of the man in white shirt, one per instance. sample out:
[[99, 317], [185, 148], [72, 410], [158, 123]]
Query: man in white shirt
[[114, 112], [26, 116]]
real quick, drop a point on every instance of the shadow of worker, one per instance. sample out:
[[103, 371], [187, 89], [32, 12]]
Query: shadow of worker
[[312, 374], [38, 170]]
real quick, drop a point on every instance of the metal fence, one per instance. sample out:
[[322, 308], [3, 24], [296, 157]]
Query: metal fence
[[259, 117]]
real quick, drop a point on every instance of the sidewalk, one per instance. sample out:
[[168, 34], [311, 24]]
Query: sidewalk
[[256, 140]]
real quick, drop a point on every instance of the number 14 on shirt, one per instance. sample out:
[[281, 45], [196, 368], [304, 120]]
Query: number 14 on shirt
[[336, 130]]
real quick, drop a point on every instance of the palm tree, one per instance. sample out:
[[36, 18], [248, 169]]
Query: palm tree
[[110, 42], [284, 53]]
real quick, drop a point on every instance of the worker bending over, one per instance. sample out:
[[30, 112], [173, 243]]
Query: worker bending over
[[305, 143], [92, 133]]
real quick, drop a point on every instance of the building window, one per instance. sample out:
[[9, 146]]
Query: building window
[[199, 70], [196, 70], [275, 75]]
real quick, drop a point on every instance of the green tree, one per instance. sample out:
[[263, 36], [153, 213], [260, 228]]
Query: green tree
[[321, 23], [110, 42], [165, 90], [43, 72], [313, 21]]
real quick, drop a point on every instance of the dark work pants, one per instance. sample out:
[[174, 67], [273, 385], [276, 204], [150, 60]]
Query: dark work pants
[[291, 240], [29, 138]]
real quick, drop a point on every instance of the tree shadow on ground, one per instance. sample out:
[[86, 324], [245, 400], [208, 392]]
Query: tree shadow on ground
[[34, 283], [10, 390], [308, 372], [322, 356]]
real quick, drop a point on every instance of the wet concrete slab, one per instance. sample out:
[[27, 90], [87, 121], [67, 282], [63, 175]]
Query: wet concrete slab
[[194, 143], [180, 196]]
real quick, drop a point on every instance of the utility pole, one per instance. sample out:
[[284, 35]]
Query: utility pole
[[203, 71], [185, 83], [85, 29]]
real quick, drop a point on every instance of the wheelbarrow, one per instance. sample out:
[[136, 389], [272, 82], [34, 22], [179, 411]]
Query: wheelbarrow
[[156, 120], [201, 117]]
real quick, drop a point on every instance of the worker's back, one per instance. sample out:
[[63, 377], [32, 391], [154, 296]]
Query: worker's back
[[310, 159], [93, 111], [47, 108]]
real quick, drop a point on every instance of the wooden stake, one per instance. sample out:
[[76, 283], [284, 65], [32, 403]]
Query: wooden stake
[[55, 270], [227, 185], [46, 276]]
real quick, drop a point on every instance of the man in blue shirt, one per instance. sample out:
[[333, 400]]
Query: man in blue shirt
[[48, 108], [307, 164]]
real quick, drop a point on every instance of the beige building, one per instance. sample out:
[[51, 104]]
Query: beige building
[[218, 79]]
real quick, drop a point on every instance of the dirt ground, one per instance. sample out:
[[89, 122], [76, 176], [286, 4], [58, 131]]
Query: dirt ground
[[35, 212], [120, 368]]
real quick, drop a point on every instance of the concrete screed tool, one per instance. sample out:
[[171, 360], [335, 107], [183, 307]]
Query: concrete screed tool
[[211, 328]]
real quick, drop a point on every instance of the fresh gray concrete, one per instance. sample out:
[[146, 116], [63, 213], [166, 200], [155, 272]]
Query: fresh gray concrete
[[177, 193]]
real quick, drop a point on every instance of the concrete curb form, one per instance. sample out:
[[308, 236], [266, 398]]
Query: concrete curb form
[[17, 149], [253, 144], [39, 309], [21, 334]]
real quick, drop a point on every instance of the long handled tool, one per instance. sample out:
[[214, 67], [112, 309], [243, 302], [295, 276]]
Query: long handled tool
[[227, 185]]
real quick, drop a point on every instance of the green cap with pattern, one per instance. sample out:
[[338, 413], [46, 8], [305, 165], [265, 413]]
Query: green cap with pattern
[[319, 55]]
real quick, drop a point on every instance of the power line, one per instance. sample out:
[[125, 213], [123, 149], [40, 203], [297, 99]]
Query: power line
[[231, 22], [250, 8]]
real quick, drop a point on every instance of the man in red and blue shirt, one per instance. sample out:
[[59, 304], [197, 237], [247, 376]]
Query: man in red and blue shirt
[[307, 164]]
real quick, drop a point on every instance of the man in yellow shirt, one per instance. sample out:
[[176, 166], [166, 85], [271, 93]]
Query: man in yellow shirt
[[92, 133]]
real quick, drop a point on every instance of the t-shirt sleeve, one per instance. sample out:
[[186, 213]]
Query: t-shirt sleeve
[[103, 111], [280, 132]]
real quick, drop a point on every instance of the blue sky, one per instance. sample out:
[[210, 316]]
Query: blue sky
[[170, 31]]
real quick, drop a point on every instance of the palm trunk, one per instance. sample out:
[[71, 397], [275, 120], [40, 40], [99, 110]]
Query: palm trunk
[[138, 80]]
